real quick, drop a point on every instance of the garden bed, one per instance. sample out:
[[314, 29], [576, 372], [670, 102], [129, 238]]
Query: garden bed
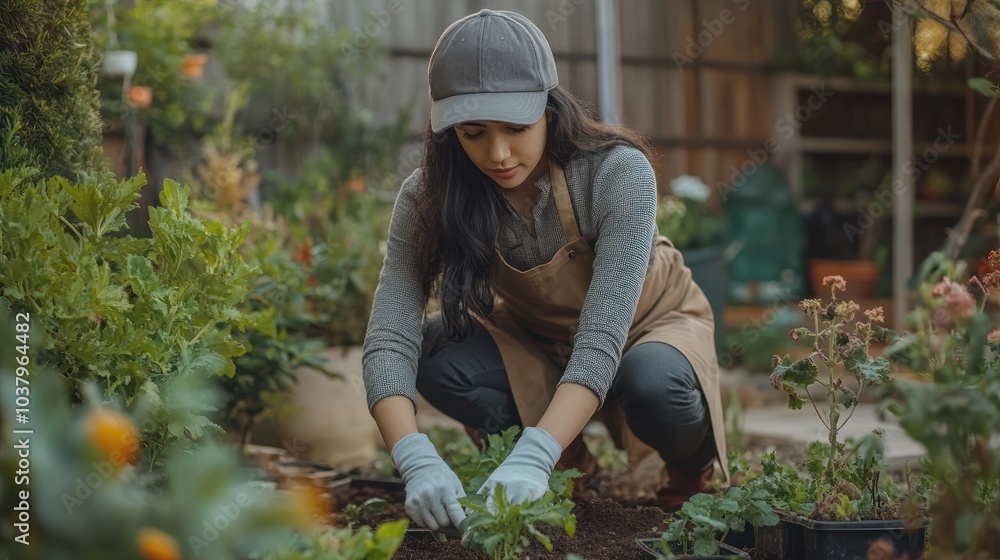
[[605, 530], [612, 511]]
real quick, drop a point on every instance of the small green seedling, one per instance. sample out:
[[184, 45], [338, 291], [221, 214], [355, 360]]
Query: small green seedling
[[344, 543], [504, 534], [705, 520], [353, 513]]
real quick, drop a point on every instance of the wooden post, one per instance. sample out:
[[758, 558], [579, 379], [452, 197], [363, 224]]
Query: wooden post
[[902, 154], [608, 59]]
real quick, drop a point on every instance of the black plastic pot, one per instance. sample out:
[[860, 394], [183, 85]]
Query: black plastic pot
[[800, 538], [783, 541], [388, 483], [726, 552], [742, 539], [846, 540], [418, 534], [424, 534]]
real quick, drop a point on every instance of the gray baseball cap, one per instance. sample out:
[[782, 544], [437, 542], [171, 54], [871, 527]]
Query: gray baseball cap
[[493, 65]]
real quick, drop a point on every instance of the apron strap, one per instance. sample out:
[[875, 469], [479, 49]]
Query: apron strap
[[560, 191]]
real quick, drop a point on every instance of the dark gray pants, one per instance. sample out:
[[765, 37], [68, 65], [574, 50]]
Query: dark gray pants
[[655, 386]]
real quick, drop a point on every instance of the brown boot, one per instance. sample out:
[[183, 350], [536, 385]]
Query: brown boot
[[681, 485], [477, 437]]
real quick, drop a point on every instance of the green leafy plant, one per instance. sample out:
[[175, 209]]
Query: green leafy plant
[[131, 313], [783, 484], [344, 543], [474, 469], [844, 478], [504, 534], [835, 347], [705, 520], [951, 404], [685, 218], [458, 450], [352, 514]]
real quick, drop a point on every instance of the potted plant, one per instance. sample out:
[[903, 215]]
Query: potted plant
[[849, 497], [951, 404], [701, 527], [700, 233]]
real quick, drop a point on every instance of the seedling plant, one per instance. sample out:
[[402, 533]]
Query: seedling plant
[[505, 532], [706, 520]]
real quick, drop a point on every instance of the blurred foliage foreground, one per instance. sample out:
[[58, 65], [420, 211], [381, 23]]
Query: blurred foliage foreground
[[76, 487]]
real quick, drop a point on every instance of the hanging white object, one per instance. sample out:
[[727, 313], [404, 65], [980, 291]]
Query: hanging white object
[[119, 63]]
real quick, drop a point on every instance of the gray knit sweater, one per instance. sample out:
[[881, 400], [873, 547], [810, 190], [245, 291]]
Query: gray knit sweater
[[614, 197]]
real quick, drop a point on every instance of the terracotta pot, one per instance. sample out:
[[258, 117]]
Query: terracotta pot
[[861, 277], [140, 96], [193, 65]]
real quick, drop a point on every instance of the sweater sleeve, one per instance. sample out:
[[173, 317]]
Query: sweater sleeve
[[624, 198], [392, 341]]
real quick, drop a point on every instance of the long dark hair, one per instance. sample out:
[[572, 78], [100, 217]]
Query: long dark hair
[[461, 213]]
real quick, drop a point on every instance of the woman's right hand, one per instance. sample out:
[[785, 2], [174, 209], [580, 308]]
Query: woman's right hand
[[432, 489]]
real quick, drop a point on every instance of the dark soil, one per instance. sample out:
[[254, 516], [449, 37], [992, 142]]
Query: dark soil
[[605, 530]]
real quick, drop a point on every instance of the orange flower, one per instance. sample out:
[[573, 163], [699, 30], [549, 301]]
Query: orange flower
[[140, 96], [155, 544], [303, 253], [309, 503], [356, 184], [115, 435]]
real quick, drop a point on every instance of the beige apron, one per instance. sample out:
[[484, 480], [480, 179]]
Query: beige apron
[[538, 312]]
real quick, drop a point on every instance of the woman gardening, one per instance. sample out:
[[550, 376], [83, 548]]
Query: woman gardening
[[534, 225]]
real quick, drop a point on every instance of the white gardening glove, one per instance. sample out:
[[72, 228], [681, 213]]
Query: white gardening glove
[[432, 489], [526, 471]]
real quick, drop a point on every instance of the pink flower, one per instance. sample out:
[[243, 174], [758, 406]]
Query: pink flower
[[838, 282], [943, 320], [876, 315], [994, 335], [958, 302]]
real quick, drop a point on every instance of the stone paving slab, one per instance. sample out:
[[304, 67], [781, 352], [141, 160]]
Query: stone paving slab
[[780, 424]]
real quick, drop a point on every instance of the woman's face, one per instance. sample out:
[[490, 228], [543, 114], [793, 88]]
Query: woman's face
[[510, 154]]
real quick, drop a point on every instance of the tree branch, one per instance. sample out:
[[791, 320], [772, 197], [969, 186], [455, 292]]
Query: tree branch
[[977, 146], [913, 7]]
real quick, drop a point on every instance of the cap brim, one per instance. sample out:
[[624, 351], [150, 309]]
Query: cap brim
[[519, 107]]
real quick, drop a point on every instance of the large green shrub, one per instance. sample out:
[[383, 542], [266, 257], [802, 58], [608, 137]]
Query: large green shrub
[[129, 313], [48, 104]]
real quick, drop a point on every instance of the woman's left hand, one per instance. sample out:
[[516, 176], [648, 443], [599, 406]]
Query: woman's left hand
[[526, 471]]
